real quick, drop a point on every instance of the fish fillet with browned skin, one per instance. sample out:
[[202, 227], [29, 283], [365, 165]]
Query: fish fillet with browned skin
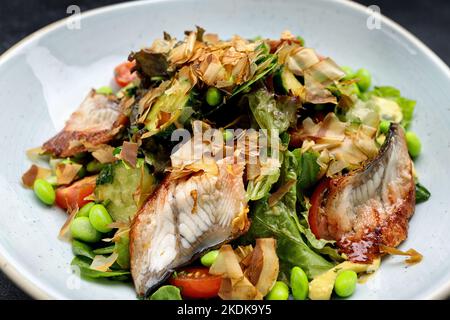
[[95, 122], [370, 207], [184, 217]]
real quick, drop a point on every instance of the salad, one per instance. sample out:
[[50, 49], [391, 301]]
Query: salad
[[238, 169]]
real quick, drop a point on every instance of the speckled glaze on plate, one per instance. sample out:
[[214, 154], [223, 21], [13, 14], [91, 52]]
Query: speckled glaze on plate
[[45, 77]]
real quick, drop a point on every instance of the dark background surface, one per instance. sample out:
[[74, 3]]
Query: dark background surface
[[429, 20]]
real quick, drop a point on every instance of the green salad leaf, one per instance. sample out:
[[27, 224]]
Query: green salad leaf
[[83, 265], [422, 194], [104, 250], [106, 175], [82, 249], [282, 222], [406, 105], [308, 168], [272, 114], [150, 64], [259, 188], [166, 293]]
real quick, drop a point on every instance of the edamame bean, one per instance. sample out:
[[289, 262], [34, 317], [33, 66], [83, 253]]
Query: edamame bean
[[100, 218], [82, 229], [228, 135], [280, 291], [208, 259], [364, 78], [105, 90], [384, 126], [413, 143], [213, 96], [44, 191], [299, 284], [345, 283], [349, 73], [94, 166], [84, 211]]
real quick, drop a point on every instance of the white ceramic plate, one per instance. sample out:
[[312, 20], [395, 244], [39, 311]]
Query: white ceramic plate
[[46, 76]]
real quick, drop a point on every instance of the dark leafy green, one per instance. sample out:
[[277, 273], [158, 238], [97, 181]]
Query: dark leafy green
[[81, 249], [308, 168], [422, 194], [83, 264], [106, 175], [150, 64]]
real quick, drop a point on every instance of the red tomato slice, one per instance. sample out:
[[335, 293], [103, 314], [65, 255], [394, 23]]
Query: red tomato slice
[[197, 283], [316, 201], [73, 195], [123, 75]]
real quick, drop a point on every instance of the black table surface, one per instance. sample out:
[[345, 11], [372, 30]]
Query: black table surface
[[429, 20]]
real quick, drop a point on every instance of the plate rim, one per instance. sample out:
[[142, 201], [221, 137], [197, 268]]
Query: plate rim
[[12, 271]]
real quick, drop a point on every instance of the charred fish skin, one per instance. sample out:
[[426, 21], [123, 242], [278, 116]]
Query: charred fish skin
[[372, 206], [183, 218], [93, 123]]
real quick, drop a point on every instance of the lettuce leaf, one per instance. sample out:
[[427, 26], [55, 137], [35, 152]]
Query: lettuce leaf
[[406, 105], [279, 221], [307, 168], [166, 293], [258, 189], [83, 267], [282, 222], [272, 114]]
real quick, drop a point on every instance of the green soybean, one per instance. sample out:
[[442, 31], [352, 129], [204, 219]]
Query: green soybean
[[228, 135], [44, 191], [364, 79], [280, 291], [213, 96], [413, 143], [384, 126], [105, 90], [84, 211], [345, 283], [82, 229], [349, 73], [208, 259], [94, 166], [100, 218], [299, 284]]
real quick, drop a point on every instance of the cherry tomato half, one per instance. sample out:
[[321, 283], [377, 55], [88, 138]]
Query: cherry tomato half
[[123, 75], [197, 283], [73, 196]]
